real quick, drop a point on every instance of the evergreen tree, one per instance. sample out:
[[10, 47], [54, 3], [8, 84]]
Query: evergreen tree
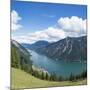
[[42, 75], [47, 76], [15, 58], [71, 78], [60, 78]]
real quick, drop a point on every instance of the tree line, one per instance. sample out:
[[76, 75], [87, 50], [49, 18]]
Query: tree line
[[53, 77]]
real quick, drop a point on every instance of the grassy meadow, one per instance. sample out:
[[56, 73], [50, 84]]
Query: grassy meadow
[[21, 79]]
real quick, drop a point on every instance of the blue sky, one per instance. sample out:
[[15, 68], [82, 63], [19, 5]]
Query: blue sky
[[36, 16]]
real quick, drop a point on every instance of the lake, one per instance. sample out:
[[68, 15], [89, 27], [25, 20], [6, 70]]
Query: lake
[[60, 67]]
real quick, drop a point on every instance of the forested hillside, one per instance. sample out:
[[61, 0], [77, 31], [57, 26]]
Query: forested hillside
[[20, 57]]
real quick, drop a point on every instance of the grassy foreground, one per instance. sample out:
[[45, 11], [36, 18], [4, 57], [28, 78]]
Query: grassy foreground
[[21, 79]]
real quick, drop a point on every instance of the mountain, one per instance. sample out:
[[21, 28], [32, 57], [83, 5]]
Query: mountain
[[20, 57], [36, 45], [68, 49]]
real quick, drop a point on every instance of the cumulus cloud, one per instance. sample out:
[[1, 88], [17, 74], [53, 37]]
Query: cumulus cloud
[[67, 26], [73, 24], [51, 34], [15, 18]]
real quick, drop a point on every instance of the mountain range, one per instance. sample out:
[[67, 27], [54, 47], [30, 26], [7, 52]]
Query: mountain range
[[36, 45], [68, 49]]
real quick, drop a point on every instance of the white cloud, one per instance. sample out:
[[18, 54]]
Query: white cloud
[[73, 24], [15, 18], [51, 34], [73, 27]]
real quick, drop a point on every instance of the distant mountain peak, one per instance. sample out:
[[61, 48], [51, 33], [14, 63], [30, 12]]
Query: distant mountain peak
[[36, 45]]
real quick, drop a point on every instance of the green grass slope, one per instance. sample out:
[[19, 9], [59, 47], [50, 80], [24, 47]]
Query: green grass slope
[[21, 79]]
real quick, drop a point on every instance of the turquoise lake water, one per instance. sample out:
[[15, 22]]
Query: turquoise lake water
[[60, 67]]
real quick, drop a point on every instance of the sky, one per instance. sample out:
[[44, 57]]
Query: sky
[[34, 21]]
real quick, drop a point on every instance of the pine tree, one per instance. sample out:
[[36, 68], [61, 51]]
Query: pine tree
[[71, 78], [14, 58], [47, 76], [42, 75], [60, 78]]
